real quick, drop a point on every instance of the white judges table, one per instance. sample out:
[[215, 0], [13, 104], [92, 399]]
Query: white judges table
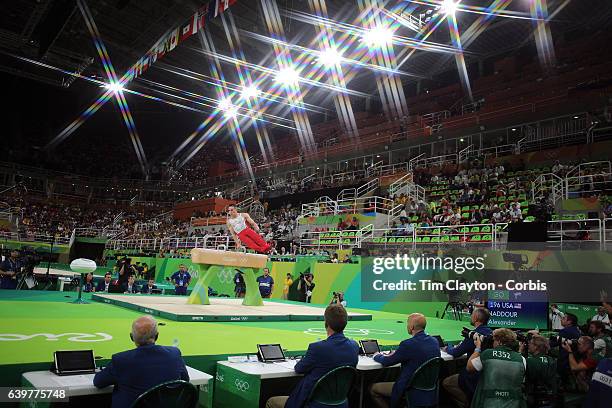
[[240, 384], [82, 385]]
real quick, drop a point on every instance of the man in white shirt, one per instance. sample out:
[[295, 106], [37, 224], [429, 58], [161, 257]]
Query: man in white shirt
[[602, 316], [555, 316]]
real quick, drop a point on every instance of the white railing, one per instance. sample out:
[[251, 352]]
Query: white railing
[[589, 185], [571, 232], [416, 161], [390, 169], [496, 151], [323, 206], [156, 244], [548, 184], [96, 232], [245, 204], [367, 187], [307, 179], [464, 154], [25, 237], [585, 169], [607, 232], [374, 169]]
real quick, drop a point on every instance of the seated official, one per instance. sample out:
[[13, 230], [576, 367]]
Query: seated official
[[9, 268], [148, 288], [502, 372], [130, 286], [89, 285], [135, 371], [105, 284], [411, 353], [542, 381], [600, 390], [581, 363], [321, 357], [461, 386]]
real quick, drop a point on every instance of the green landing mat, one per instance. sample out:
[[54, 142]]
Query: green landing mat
[[198, 313]]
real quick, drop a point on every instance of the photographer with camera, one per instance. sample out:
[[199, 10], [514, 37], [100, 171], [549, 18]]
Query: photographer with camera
[[542, 380], [305, 287], [581, 363], [502, 371], [9, 269], [570, 331], [338, 298], [461, 386]]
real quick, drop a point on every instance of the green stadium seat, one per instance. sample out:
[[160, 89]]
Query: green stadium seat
[[465, 215], [486, 237], [464, 229], [409, 240], [435, 239], [376, 240], [455, 238], [486, 228], [475, 229], [485, 220], [391, 240], [436, 231], [383, 240], [426, 239], [445, 238], [475, 238]]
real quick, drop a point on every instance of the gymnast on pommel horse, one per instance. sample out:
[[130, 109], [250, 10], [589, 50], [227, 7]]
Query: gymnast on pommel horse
[[239, 225], [211, 261]]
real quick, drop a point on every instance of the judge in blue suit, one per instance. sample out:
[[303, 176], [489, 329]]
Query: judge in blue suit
[[135, 371], [411, 353], [321, 357]]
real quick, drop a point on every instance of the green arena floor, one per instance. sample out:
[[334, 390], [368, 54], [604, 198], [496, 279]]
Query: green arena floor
[[36, 323]]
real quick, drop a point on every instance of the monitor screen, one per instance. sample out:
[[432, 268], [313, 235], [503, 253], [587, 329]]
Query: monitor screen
[[369, 346], [76, 360], [271, 352]]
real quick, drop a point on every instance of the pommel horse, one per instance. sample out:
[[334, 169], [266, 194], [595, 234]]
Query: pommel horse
[[210, 261]]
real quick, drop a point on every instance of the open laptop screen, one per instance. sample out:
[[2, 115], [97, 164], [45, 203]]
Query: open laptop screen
[[369, 347], [74, 361], [271, 352]]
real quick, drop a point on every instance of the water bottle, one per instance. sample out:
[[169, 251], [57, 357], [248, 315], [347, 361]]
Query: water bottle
[[175, 343]]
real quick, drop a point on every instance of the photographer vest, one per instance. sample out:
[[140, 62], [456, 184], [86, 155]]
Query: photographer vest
[[501, 380], [542, 378]]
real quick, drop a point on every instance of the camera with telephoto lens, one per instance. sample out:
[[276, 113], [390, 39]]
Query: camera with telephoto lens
[[573, 345], [486, 341]]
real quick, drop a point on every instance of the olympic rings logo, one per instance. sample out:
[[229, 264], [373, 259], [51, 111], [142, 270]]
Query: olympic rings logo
[[350, 332], [241, 385], [225, 276]]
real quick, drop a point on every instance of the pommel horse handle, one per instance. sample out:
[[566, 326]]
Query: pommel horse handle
[[210, 261]]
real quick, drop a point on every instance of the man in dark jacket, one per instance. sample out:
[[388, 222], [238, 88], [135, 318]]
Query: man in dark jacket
[[411, 353], [135, 371], [321, 357]]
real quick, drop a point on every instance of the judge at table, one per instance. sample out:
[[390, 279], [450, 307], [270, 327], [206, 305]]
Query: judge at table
[[135, 371], [321, 357]]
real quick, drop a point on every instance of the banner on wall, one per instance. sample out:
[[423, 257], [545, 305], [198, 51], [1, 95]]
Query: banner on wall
[[172, 38]]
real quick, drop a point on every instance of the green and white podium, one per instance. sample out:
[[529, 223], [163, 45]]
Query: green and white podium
[[211, 261]]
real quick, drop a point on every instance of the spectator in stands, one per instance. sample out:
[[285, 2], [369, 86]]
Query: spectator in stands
[[89, 285], [239, 284], [9, 268], [130, 286], [334, 258], [104, 285], [181, 279], [542, 381], [347, 259], [602, 341], [602, 316], [125, 370], [581, 363], [321, 357], [266, 284], [411, 353], [600, 390], [503, 371], [148, 288], [461, 386]]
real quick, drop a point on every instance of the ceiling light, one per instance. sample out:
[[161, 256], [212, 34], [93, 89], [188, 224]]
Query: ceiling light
[[225, 104], [378, 36], [114, 86], [448, 7], [249, 92], [287, 76], [330, 57]]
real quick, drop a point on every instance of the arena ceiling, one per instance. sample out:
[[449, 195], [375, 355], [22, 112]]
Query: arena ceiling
[[51, 41]]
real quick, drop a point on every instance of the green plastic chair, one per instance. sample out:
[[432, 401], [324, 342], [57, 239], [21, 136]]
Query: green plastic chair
[[333, 388], [425, 378], [177, 394]]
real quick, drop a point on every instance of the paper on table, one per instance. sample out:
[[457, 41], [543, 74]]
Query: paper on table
[[290, 364]]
